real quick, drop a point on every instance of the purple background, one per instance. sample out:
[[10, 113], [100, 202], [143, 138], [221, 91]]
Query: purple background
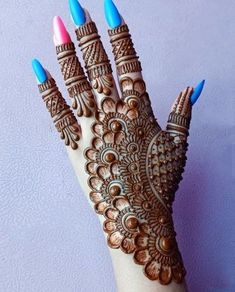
[[50, 239]]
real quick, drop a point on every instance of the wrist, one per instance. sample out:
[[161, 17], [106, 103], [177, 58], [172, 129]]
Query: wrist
[[130, 278]]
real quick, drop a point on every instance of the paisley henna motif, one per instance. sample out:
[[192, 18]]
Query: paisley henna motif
[[64, 119], [78, 87], [134, 171], [96, 60]]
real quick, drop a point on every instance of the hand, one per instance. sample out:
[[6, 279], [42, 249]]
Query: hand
[[128, 166]]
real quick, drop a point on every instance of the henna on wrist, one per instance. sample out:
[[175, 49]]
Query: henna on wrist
[[134, 167], [134, 170]]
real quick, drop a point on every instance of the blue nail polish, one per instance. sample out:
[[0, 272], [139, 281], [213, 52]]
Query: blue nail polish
[[197, 92], [112, 15], [77, 12], [39, 71]]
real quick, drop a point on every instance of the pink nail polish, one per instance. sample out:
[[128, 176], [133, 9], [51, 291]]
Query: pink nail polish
[[61, 35]]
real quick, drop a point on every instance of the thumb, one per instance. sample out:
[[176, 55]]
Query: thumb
[[180, 116]]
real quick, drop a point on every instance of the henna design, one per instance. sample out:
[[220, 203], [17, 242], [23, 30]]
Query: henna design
[[124, 52], [132, 66], [64, 119], [78, 87], [134, 171], [103, 84], [179, 119], [96, 60], [121, 224]]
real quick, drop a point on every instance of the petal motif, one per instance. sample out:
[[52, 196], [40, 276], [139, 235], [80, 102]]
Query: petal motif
[[109, 137], [127, 83], [97, 143], [121, 203], [119, 137], [128, 245], [178, 274], [109, 226], [111, 213], [95, 197], [96, 183], [133, 114], [121, 107], [108, 105], [91, 167], [91, 154], [98, 129], [103, 172], [100, 207], [165, 275], [115, 239], [141, 256], [139, 86], [141, 241], [100, 116], [144, 229], [114, 168], [152, 270]]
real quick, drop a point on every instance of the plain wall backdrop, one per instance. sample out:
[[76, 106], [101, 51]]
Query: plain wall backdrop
[[50, 238]]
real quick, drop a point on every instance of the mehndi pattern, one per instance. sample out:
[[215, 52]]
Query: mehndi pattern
[[134, 171], [64, 119]]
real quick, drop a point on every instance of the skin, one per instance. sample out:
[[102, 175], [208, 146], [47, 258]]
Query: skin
[[129, 276]]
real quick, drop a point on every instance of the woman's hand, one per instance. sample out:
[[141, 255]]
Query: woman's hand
[[126, 164]]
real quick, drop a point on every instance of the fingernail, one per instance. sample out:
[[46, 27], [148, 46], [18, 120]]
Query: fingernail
[[61, 34], [39, 71], [197, 92], [112, 15], [77, 12]]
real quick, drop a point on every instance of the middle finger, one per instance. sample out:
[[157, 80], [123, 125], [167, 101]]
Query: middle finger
[[98, 66]]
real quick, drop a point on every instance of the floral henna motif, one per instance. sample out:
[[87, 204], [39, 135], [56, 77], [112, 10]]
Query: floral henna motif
[[134, 167], [63, 117], [134, 171], [76, 82], [121, 225], [96, 60], [160, 256]]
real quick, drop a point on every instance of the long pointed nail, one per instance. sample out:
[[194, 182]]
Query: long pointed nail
[[61, 34], [39, 71], [112, 14], [197, 92], [77, 12]]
